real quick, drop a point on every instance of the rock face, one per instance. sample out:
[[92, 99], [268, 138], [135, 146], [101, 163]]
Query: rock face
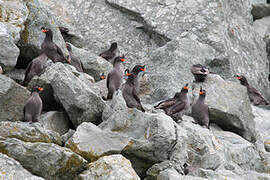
[[225, 34], [114, 167], [29, 132], [229, 105], [13, 98], [55, 121], [260, 11], [44, 159], [91, 142], [82, 104], [9, 52], [154, 137], [11, 169]]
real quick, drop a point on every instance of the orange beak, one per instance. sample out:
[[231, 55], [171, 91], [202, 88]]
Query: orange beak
[[238, 78], [123, 60], [102, 77], [40, 89], [185, 87], [201, 93], [142, 69], [44, 30], [128, 74]]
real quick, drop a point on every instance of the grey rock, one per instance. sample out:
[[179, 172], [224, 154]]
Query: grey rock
[[29, 132], [100, 88], [104, 24], [260, 10], [44, 159], [155, 137], [113, 167], [262, 26], [9, 52], [32, 37], [204, 150], [69, 134], [229, 105], [16, 74], [223, 26], [253, 2], [13, 98], [13, 15], [263, 125], [55, 121], [77, 98], [91, 142], [11, 169], [172, 174], [174, 61], [1, 70]]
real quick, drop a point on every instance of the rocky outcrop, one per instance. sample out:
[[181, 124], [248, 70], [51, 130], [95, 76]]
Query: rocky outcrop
[[9, 52], [13, 98], [44, 159], [260, 10], [154, 137], [29, 132], [91, 142], [114, 167], [229, 105], [11, 169], [55, 121], [77, 98]]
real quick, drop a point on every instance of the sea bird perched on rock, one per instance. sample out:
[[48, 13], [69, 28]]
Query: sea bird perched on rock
[[74, 60], [115, 77], [131, 88], [36, 67], [199, 72], [51, 50], [200, 111], [110, 53], [33, 106], [254, 96], [180, 107]]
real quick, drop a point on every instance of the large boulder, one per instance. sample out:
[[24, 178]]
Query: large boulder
[[62, 86], [13, 98], [13, 15], [9, 52], [154, 137], [113, 167], [44, 159], [229, 105], [92, 143], [55, 121], [29, 132], [17, 75], [260, 10], [11, 169]]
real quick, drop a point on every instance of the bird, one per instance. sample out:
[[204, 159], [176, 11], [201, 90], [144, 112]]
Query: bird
[[199, 72], [115, 77], [180, 107], [36, 67], [130, 91], [33, 106], [168, 103], [74, 60], [110, 53], [200, 110], [51, 50], [254, 95], [64, 32], [102, 76]]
